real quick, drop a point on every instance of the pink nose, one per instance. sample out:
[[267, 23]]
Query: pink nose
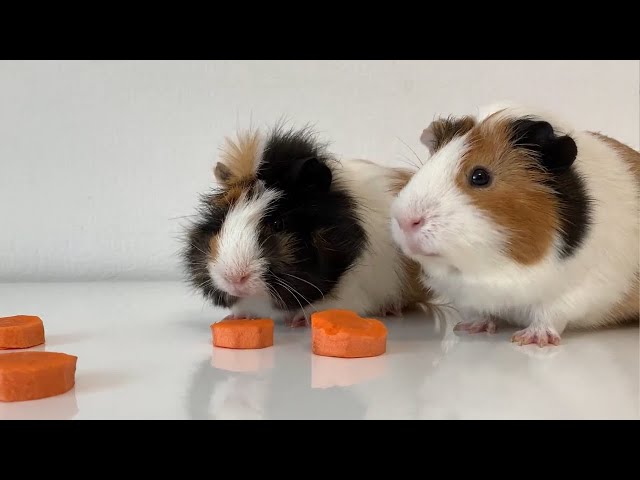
[[239, 279], [411, 224]]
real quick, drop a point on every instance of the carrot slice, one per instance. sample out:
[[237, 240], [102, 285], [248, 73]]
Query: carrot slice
[[33, 375], [21, 331], [343, 333], [241, 333]]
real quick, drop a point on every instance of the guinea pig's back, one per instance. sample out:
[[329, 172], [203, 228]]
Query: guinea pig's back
[[610, 172], [383, 273]]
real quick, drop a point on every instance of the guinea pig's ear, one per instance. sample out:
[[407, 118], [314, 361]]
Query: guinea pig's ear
[[222, 173], [428, 138], [312, 173], [556, 153], [442, 131]]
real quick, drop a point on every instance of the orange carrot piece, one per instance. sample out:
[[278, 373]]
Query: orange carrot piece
[[244, 334], [33, 375], [21, 331], [343, 333]]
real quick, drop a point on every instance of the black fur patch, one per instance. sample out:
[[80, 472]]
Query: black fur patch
[[310, 236], [557, 153], [575, 210], [212, 212], [313, 235]]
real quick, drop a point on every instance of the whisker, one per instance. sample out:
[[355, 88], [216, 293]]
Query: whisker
[[309, 283], [296, 291], [198, 248], [412, 150], [274, 292], [203, 284], [294, 296], [266, 240], [408, 162]]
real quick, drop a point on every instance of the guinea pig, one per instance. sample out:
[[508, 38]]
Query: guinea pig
[[290, 230], [518, 218]]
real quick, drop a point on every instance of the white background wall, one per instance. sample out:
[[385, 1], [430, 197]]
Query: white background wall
[[98, 157]]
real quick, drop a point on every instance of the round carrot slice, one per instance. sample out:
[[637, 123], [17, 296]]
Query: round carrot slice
[[343, 333], [33, 375], [21, 331], [241, 333]]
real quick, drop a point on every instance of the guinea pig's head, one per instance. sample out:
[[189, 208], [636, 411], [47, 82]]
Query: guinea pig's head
[[499, 189], [279, 225]]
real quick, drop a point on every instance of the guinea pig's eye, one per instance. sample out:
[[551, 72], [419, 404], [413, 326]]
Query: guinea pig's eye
[[479, 178], [277, 224]]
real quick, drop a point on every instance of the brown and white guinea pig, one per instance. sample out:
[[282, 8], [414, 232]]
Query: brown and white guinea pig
[[290, 230], [517, 217]]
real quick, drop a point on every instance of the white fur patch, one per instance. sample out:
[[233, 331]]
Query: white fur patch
[[239, 249], [454, 230]]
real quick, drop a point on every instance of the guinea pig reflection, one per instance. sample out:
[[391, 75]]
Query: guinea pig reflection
[[282, 392]]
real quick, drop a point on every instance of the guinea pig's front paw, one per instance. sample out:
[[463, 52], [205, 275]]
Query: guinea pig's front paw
[[449, 341], [538, 335], [392, 310], [478, 326], [297, 320], [235, 316]]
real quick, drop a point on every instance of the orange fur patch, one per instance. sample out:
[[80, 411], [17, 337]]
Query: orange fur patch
[[213, 247], [399, 179], [516, 199], [241, 156], [235, 191], [413, 291]]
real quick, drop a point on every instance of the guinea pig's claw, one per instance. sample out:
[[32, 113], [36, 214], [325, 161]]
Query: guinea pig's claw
[[299, 320], [393, 311], [536, 336], [478, 326]]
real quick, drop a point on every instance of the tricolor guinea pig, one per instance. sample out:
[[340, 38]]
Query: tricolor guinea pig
[[290, 230], [517, 217]]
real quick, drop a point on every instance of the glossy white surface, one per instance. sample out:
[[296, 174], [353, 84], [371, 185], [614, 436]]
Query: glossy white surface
[[144, 352]]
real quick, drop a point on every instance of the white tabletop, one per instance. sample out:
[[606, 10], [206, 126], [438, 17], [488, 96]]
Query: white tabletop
[[144, 352]]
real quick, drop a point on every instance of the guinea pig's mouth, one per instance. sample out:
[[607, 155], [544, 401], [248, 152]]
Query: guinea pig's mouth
[[242, 289], [424, 254], [415, 248], [238, 292]]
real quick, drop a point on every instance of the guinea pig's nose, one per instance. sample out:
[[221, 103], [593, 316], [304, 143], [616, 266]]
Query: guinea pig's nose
[[238, 279], [411, 224]]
